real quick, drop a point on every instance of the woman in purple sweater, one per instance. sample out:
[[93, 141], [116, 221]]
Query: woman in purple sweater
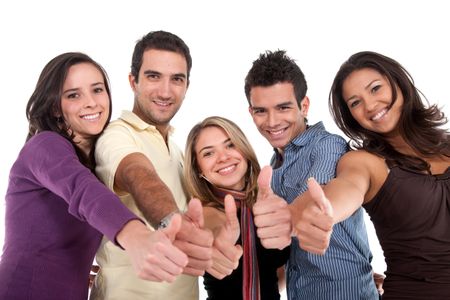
[[56, 209]]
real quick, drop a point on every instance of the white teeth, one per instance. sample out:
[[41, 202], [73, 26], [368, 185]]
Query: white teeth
[[227, 169], [278, 132], [162, 103], [91, 117], [379, 115]]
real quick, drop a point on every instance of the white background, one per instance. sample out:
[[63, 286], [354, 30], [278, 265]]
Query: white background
[[224, 37]]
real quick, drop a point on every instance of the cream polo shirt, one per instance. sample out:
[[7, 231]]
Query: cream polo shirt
[[117, 279]]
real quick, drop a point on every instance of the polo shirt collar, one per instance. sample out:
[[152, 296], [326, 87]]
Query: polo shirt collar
[[132, 119]]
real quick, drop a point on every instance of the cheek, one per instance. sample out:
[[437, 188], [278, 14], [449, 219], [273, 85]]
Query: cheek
[[202, 165]]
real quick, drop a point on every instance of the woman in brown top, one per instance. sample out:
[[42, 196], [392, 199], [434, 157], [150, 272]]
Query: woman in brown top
[[400, 173]]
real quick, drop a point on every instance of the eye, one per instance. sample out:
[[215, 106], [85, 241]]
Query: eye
[[375, 88], [284, 107], [179, 79], [98, 90], [353, 103], [152, 76], [207, 153], [231, 145], [259, 110], [72, 96]]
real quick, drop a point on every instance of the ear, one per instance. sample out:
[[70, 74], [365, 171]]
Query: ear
[[250, 110], [132, 81], [304, 106]]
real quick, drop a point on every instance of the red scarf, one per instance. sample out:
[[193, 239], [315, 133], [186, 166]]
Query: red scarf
[[250, 285]]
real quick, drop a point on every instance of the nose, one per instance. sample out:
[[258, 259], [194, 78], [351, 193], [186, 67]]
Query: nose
[[223, 155], [164, 90], [272, 119], [369, 104], [90, 100]]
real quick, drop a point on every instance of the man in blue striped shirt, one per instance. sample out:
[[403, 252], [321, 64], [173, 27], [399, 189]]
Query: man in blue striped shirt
[[276, 92]]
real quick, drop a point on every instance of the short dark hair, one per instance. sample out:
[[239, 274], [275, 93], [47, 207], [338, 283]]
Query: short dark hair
[[276, 67], [159, 40]]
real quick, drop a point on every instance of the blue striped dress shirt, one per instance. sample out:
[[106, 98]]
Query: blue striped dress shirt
[[344, 272]]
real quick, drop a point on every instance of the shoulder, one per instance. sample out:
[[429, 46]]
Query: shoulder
[[360, 159], [329, 144], [48, 141]]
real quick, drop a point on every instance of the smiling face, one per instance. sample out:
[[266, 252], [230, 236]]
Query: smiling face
[[161, 87], [85, 103], [219, 160], [276, 114], [368, 96]]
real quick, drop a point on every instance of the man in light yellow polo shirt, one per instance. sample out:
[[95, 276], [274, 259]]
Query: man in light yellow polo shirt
[[137, 159]]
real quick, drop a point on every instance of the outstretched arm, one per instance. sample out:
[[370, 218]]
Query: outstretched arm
[[316, 211], [136, 175]]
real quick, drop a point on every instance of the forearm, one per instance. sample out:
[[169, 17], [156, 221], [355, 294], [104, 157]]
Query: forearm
[[137, 176], [345, 198]]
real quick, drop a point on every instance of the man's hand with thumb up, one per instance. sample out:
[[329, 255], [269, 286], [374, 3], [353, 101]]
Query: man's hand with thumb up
[[271, 214]]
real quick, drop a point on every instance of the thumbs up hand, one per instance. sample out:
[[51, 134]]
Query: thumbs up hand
[[151, 252], [226, 253], [313, 221], [195, 240], [271, 214]]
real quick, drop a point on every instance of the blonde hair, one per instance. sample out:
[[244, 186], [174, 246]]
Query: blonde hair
[[198, 187]]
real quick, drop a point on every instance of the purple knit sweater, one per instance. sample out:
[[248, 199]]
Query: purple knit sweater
[[56, 213]]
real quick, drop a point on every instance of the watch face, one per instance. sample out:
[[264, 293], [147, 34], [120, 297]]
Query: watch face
[[166, 220]]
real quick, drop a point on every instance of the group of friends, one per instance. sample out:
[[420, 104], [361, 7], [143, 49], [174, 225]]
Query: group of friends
[[155, 217]]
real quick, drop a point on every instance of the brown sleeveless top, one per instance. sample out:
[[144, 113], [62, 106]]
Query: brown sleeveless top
[[411, 216]]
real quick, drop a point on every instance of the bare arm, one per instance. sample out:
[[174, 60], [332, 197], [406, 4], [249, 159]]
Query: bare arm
[[315, 212], [136, 175], [348, 190]]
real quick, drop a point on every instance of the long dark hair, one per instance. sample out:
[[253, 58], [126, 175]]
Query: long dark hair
[[44, 107], [419, 124]]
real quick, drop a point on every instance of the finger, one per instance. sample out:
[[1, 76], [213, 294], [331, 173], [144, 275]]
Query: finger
[[282, 231], [264, 179], [192, 250], [276, 243], [231, 214], [318, 195], [174, 226], [228, 261], [228, 255], [195, 212]]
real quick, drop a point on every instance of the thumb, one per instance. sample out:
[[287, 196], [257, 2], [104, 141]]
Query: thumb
[[231, 214], [174, 226], [318, 195], [195, 212], [264, 179]]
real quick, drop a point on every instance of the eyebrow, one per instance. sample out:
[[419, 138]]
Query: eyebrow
[[153, 72], [77, 88], [210, 147], [278, 105]]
